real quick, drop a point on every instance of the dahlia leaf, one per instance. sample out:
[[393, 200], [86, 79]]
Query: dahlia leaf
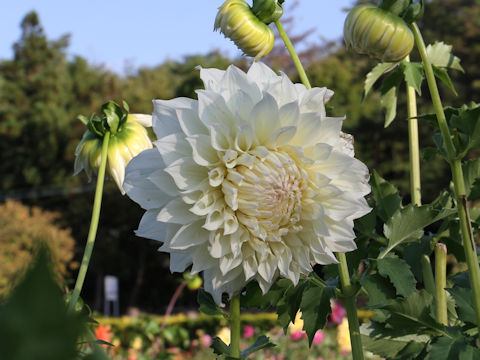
[[219, 347], [207, 305], [464, 305], [262, 342], [387, 198], [315, 307], [289, 305], [413, 313], [389, 90], [446, 348], [390, 343], [442, 74], [379, 289], [440, 55], [413, 73], [399, 273], [374, 75], [408, 224]]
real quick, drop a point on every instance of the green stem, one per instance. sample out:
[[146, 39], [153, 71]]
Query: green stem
[[441, 283], [92, 232], [349, 296], [235, 327], [415, 185], [457, 176], [427, 273], [293, 54]]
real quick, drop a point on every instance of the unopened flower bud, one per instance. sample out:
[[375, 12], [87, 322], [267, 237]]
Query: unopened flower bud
[[236, 20], [377, 32], [128, 140]]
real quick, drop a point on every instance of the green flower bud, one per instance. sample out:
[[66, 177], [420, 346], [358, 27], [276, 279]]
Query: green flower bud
[[129, 140], [237, 22], [377, 32]]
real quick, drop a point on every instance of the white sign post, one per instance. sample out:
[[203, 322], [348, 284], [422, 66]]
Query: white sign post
[[111, 295]]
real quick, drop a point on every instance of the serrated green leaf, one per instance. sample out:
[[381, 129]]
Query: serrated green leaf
[[374, 75], [409, 222], [389, 343], [399, 273], [413, 73], [219, 347], [254, 297], [379, 289], [446, 348], [463, 299], [471, 172], [315, 307], [289, 304], [207, 305], [413, 254], [442, 74], [389, 90], [262, 342], [440, 55], [413, 313], [386, 196], [468, 122]]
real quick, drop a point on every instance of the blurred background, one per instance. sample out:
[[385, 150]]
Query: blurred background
[[61, 59]]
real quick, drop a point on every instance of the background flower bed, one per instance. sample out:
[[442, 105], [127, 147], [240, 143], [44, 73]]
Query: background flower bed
[[189, 335]]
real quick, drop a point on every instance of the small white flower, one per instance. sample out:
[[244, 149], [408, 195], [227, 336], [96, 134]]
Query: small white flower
[[252, 181], [129, 140]]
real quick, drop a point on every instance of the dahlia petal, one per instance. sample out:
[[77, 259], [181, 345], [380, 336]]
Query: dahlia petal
[[179, 261], [261, 73], [137, 185], [235, 80], [142, 119], [289, 114], [173, 147], [190, 122], [187, 174], [150, 228], [264, 119], [203, 152], [164, 119], [176, 212], [202, 260], [211, 77], [189, 235], [213, 110], [315, 100]]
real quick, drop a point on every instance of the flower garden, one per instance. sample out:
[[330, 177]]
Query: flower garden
[[294, 247]]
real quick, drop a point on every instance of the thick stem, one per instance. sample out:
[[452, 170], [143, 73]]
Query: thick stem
[[293, 54], [427, 273], [235, 327], [441, 283], [415, 185], [349, 296], [92, 232], [457, 176]]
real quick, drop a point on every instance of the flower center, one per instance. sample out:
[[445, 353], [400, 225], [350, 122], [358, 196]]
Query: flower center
[[269, 195]]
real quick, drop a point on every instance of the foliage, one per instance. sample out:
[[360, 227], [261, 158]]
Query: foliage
[[23, 231]]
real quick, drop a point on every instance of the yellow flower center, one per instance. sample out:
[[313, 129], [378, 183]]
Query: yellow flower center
[[269, 193]]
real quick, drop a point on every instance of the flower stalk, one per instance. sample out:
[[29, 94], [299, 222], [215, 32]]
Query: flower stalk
[[293, 54], [415, 184], [92, 232], [427, 273], [441, 283], [235, 327], [348, 292], [457, 176]]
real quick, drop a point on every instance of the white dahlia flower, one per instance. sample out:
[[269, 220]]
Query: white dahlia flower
[[252, 181]]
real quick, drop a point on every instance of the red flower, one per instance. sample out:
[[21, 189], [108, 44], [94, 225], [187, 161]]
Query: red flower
[[103, 332]]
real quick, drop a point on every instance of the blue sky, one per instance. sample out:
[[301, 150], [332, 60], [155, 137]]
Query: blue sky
[[122, 34]]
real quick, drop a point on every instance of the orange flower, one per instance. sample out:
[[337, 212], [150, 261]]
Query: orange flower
[[103, 332]]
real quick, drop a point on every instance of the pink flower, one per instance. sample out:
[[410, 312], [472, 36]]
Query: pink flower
[[338, 313], [297, 335], [248, 331], [206, 340], [318, 338]]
